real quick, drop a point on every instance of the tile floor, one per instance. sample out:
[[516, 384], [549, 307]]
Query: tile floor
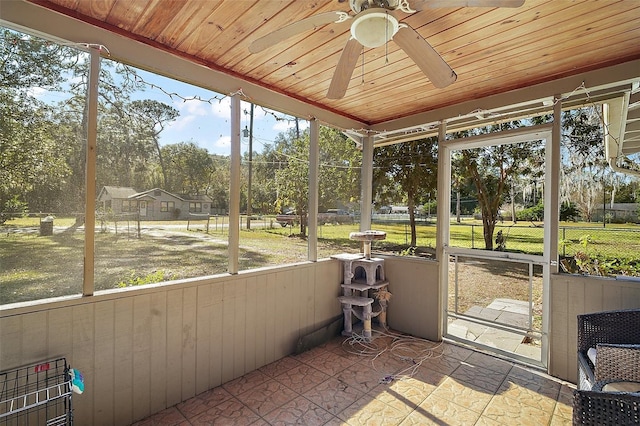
[[343, 383]]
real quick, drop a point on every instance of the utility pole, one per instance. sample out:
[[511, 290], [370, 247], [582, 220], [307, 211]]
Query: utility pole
[[250, 168]]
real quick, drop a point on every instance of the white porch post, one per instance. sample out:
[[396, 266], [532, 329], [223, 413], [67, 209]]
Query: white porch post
[[90, 174], [234, 186], [366, 182], [442, 221], [312, 214]]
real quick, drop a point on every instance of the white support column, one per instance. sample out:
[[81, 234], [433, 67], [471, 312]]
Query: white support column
[[312, 215], [552, 187], [366, 182], [551, 222], [234, 186], [442, 222], [90, 174]]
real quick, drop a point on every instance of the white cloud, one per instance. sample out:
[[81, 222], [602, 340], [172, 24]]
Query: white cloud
[[181, 122], [192, 107], [283, 125], [222, 109], [37, 92], [223, 141]]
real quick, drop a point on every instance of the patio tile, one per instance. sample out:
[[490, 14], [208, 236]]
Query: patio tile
[[452, 385], [438, 411], [489, 362], [401, 395], [478, 377], [527, 396], [281, 366], [202, 402], [331, 363], [442, 364], [333, 395], [509, 411], [463, 395], [360, 376], [267, 396], [229, 412], [245, 383], [371, 411], [302, 378], [299, 411], [170, 416]]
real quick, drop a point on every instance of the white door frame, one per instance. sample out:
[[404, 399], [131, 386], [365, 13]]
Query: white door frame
[[550, 134]]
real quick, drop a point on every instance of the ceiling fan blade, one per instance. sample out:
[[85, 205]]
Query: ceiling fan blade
[[425, 57], [432, 4], [344, 69], [295, 28]]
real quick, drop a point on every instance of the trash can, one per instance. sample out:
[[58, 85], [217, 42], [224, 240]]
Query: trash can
[[46, 226]]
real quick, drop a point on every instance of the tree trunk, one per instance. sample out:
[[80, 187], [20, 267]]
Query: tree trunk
[[458, 206], [488, 226], [412, 219]]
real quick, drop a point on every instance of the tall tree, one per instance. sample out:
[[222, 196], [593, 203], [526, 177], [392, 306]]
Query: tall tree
[[492, 170], [412, 166], [190, 168], [151, 117]]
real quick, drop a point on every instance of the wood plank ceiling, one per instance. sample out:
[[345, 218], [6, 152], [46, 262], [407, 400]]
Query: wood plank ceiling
[[492, 50]]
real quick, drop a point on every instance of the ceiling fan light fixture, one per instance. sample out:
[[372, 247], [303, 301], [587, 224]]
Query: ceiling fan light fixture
[[374, 27]]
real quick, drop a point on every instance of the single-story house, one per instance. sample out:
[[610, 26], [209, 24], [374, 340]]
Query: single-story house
[[153, 204]]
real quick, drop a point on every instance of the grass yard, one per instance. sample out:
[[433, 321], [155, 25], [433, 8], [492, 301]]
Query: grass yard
[[35, 267]]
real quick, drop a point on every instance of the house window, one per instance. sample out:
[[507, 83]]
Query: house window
[[195, 207], [167, 206], [128, 206]]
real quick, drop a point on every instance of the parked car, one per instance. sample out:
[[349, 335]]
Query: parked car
[[288, 218]]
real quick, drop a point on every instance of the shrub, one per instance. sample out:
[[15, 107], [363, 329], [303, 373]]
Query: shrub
[[13, 207]]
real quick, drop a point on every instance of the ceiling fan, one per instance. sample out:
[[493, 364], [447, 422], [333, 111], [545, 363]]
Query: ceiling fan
[[374, 23]]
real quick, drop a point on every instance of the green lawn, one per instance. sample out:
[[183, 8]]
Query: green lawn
[[35, 267]]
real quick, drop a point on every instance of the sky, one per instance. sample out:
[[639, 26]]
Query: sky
[[206, 122]]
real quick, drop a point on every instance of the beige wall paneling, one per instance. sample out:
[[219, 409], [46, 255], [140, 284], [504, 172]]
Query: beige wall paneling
[[11, 342], [270, 319], [103, 380], [250, 343], [239, 325], [158, 356], [203, 337], [34, 336], [174, 347], [559, 330], [413, 307], [83, 352], [307, 308], [259, 287], [228, 332], [216, 312], [59, 322], [141, 356], [189, 329], [123, 360]]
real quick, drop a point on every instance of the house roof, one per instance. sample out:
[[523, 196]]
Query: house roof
[[117, 191], [509, 61]]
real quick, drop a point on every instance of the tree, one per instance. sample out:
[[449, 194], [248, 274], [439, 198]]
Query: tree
[[492, 168], [412, 166], [150, 118], [32, 156], [190, 168], [339, 163], [584, 165]]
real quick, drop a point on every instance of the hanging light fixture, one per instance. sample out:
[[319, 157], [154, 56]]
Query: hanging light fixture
[[374, 27]]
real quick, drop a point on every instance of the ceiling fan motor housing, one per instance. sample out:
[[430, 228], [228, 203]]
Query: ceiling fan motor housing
[[374, 27], [360, 5]]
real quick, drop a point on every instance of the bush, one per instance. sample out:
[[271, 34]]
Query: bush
[[534, 213], [12, 208]]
